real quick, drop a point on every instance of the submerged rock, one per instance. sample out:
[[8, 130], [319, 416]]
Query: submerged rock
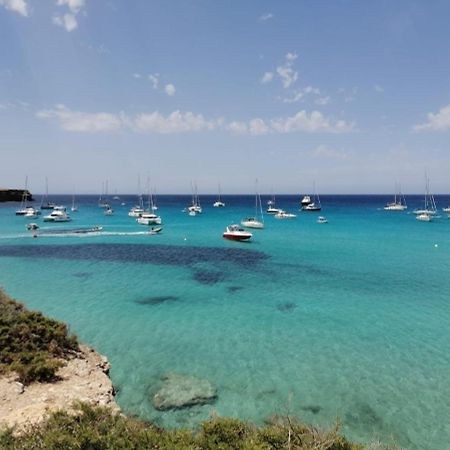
[[181, 391], [157, 300]]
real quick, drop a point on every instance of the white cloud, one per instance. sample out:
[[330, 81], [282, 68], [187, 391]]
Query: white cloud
[[154, 78], [82, 122], [176, 122], [291, 56], [18, 6], [323, 151], [237, 127], [286, 73], [170, 89], [184, 122], [75, 6], [322, 101], [266, 17], [67, 21], [258, 127], [315, 122], [267, 77], [378, 88], [439, 121], [300, 94]]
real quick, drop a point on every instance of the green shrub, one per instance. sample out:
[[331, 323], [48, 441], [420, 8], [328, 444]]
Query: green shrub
[[97, 428], [31, 344]]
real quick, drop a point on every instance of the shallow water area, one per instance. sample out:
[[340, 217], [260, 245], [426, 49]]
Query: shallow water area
[[347, 319]]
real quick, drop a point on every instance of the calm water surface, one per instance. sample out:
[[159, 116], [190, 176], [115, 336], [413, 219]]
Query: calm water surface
[[346, 320]]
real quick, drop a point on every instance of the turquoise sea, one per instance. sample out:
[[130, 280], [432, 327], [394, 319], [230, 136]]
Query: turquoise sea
[[348, 320]]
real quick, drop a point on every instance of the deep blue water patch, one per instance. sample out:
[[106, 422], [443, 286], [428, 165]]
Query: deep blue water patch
[[83, 275], [173, 255], [286, 307], [156, 300], [233, 289], [208, 277]]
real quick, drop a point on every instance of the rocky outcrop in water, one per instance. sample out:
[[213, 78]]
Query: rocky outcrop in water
[[14, 195], [181, 391], [84, 378]]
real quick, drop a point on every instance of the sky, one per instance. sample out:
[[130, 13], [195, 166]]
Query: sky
[[349, 96]]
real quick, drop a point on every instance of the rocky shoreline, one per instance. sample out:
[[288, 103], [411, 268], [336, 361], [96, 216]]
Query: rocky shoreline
[[84, 378], [15, 195]]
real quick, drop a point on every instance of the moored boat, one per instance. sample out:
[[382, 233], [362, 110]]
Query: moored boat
[[236, 233], [284, 215]]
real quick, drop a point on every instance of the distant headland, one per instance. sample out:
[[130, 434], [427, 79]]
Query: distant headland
[[15, 195]]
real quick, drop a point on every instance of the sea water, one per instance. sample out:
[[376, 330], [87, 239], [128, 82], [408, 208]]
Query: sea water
[[343, 321]]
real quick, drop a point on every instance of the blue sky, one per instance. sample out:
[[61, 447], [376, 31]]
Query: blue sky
[[351, 95]]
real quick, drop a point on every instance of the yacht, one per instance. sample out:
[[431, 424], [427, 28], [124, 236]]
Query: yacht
[[149, 219], [284, 215], [399, 203], [306, 200], [31, 213], [312, 207], [236, 233], [253, 222], [45, 203], [57, 215], [447, 210], [136, 211], [424, 217], [195, 208], [272, 210], [430, 208], [219, 203]]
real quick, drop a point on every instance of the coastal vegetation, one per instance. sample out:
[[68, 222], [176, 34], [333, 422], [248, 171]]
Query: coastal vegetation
[[100, 429], [32, 345]]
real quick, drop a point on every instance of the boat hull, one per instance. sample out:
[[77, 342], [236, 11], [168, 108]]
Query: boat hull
[[237, 237]]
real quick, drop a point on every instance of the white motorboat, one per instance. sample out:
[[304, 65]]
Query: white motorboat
[[446, 209], [311, 203], [57, 215], [31, 213], [312, 207], [108, 211], [306, 200], [149, 219], [272, 210], [322, 219], [284, 215], [136, 211], [424, 217], [236, 233]]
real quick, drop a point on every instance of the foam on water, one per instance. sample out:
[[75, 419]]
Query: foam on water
[[346, 320]]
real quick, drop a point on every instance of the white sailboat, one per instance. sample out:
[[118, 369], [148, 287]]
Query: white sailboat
[[74, 207], [195, 208], [255, 222], [399, 203], [45, 203], [219, 203], [426, 214]]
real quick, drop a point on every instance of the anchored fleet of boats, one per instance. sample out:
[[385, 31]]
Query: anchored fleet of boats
[[235, 232]]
